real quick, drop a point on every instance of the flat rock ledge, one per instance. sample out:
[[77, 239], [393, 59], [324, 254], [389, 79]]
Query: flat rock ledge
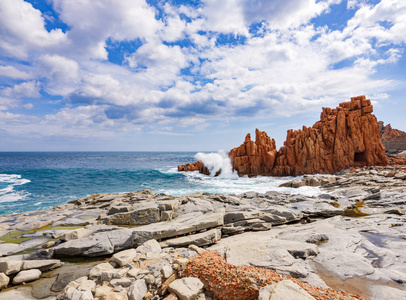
[[350, 237]]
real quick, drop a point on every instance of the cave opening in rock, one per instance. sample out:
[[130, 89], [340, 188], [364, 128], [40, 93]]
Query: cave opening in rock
[[360, 157]]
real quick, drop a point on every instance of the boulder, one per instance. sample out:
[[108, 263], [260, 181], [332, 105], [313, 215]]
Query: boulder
[[186, 288], [10, 266], [26, 276]]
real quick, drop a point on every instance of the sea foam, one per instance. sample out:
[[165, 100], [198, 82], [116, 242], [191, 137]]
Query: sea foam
[[216, 162], [7, 192]]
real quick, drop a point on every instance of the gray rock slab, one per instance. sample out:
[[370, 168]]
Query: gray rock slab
[[201, 239], [80, 218], [345, 265], [183, 225], [148, 213], [10, 266], [383, 292], [42, 265], [8, 249], [102, 243]]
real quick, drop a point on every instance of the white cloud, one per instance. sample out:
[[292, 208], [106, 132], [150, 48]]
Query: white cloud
[[12, 72], [23, 30], [26, 89], [92, 23], [234, 16], [62, 74], [290, 68]]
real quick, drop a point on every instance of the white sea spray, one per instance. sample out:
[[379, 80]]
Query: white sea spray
[[216, 162]]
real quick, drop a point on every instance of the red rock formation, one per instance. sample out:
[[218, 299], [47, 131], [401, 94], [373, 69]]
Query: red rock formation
[[347, 136], [196, 166], [394, 140]]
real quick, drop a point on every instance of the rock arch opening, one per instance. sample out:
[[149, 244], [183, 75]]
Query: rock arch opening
[[360, 157]]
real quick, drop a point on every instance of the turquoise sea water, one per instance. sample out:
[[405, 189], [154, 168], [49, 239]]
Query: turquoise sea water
[[38, 180]]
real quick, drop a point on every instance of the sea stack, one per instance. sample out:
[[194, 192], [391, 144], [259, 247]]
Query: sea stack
[[347, 136]]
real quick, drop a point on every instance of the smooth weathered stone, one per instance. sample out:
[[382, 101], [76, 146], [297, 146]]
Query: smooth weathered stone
[[200, 239], [10, 266], [123, 258], [42, 265], [80, 218], [285, 289], [26, 276], [137, 290], [76, 234], [346, 265], [97, 270], [8, 249], [186, 288], [4, 280]]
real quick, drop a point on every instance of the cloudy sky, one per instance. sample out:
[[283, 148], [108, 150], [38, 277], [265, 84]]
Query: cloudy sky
[[193, 75]]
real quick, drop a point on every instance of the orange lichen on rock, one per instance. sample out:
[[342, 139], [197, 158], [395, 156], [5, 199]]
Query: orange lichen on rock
[[228, 282]]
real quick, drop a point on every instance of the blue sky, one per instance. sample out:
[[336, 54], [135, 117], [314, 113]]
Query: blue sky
[[142, 75]]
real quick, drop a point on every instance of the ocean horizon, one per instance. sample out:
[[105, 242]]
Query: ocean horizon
[[43, 179]]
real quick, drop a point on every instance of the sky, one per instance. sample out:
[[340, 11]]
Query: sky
[[151, 75]]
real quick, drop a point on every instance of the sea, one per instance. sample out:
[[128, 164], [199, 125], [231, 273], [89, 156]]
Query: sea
[[39, 180]]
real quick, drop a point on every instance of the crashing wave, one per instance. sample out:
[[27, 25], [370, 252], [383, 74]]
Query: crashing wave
[[217, 163]]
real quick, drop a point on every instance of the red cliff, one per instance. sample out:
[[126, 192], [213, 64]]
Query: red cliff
[[394, 140], [347, 136]]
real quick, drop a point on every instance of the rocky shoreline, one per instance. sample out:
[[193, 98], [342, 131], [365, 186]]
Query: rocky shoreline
[[141, 245]]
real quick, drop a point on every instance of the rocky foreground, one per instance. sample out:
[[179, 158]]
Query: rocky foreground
[[346, 243]]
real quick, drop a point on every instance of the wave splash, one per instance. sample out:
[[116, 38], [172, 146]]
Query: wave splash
[[216, 162], [7, 183]]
